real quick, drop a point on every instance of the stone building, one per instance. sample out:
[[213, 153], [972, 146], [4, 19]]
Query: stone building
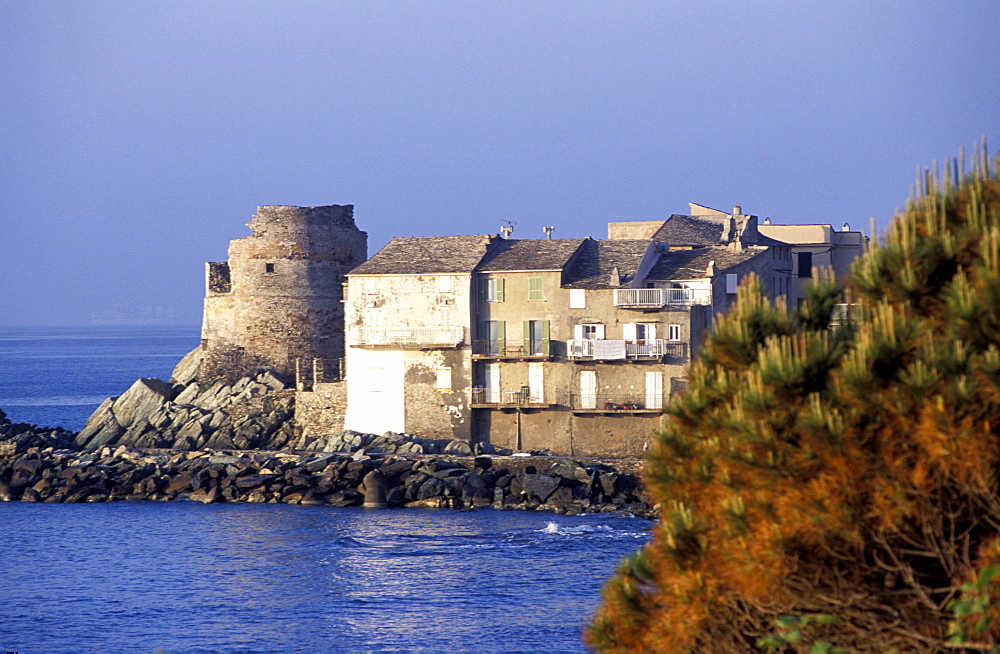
[[818, 251], [569, 345], [277, 302]]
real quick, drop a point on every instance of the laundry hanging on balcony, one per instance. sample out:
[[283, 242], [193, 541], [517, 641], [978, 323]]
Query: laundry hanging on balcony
[[610, 349]]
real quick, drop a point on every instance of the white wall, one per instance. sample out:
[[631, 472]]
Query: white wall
[[375, 401]]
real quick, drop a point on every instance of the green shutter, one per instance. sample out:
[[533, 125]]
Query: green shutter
[[535, 289], [481, 289], [500, 290], [546, 343], [501, 336]]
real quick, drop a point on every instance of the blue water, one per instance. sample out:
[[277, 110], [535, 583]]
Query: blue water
[[181, 576], [137, 576], [57, 376]]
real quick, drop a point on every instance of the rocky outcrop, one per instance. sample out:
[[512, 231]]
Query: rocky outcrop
[[121, 473], [19, 436], [253, 413], [394, 443]]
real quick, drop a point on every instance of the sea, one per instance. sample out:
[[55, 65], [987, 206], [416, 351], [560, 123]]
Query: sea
[[182, 576]]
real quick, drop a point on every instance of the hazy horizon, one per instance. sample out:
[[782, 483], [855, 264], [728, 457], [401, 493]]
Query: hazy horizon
[[140, 137]]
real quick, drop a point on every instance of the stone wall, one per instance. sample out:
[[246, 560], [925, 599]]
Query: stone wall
[[278, 298], [320, 412]]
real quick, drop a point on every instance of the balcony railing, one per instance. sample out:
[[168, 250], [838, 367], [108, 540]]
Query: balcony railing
[[654, 298], [610, 349], [512, 349], [617, 402], [846, 313], [503, 397], [441, 336]]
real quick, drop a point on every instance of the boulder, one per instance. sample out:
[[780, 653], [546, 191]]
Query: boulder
[[376, 489], [142, 399], [539, 486], [186, 370]]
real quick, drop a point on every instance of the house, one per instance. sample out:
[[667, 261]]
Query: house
[[567, 345], [818, 251]]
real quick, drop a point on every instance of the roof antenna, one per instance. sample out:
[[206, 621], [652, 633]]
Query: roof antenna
[[548, 232], [507, 229]]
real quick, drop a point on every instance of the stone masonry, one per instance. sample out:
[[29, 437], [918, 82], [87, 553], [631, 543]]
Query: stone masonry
[[278, 298]]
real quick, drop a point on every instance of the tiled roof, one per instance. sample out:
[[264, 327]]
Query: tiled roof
[[692, 230], [597, 259], [706, 231], [419, 255], [529, 254], [693, 264]]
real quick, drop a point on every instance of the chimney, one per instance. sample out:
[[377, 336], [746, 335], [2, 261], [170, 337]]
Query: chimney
[[846, 227]]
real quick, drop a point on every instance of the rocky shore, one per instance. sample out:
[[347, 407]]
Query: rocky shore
[[375, 481], [218, 442]]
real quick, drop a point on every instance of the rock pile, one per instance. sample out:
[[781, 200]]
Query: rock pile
[[565, 486], [253, 413], [19, 436], [395, 443]]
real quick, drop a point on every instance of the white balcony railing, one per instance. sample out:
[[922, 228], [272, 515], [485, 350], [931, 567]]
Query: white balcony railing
[[442, 336], [643, 298], [607, 349]]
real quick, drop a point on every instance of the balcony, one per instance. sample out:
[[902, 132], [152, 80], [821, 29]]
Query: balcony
[[657, 298], [845, 314], [617, 402], [540, 348], [407, 337], [611, 350], [505, 398]]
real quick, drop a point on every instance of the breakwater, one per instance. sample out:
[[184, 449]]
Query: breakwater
[[376, 481]]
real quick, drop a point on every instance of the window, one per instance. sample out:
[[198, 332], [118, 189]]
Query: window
[[269, 267], [589, 332], [490, 289], [536, 337], [492, 332], [535, 289], [673, 332], [654, 390], [805, 264], [588, 389], [536, 383], [492, 383], [372, 288], [444, 379], [642, 332], [577, 298], [732, 282], [444, 284]]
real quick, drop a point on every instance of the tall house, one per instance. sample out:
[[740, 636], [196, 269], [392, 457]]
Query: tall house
[[409, 337], [277, 302]]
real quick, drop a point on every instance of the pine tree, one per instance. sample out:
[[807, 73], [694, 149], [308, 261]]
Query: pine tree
[[837, 487]]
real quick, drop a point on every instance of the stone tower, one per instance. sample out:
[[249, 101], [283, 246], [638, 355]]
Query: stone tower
[[277, 301]]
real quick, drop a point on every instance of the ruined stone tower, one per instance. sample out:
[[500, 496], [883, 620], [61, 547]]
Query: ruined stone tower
[[277, 301]]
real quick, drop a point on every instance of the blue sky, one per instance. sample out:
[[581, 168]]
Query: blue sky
[[138, 137]]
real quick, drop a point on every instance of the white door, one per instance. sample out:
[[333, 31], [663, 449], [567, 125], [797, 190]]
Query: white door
[[493, 383], [654, 390], [588, 389], [536, 380]]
